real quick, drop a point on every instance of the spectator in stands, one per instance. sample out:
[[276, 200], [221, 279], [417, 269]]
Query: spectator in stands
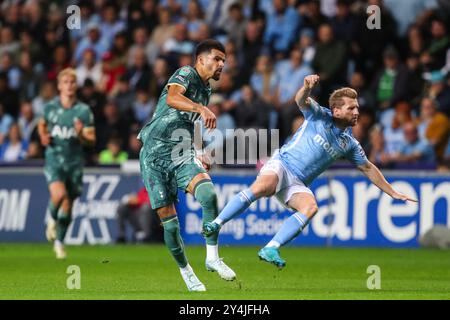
[[8, 96], [228, 90], [134, 144], [164, 31], [434, 126], [35, 18], [233, 68], [330, 62], [143, 106], [416, 41], [114, 125], [391, 82], [160, 76], [393, 134], [439, 91], [344, 22], [113, 154], [124, 97], [282, 23], [142, 14], [250, 48], [369, 44], [8, 42], [89, 68], [112, 69], [179, 42], [27, 122], [139, 73], [49, 45], [28, 44], [87, 18], [311, 14], [216, 14], [193, 17], [5, 123], [408, 12], [365, 97], [434, 56], [60, 61], [140, 40], [214, 140], [111, 23], [264, 79], [94, 99], [8, 66], [415, 80], [376, 148], [203, 33], [135, 208], [14, 148], [414, 149], [175, 8], [12, 15], [252, 111], [30, 77], [306, 43], [94, 40], [236, 26], [46, 93]]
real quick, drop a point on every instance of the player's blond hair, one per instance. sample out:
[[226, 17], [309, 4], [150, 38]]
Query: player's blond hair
[[336, 98], [67, 72]]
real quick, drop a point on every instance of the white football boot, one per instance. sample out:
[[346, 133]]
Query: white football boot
[[58, 247], [191, 280], [50, 232], [221, 268]]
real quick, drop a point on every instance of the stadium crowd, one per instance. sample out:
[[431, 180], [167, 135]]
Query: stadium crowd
[[125, 51]]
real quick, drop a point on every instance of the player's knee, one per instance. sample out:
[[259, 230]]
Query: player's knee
[[59, 197]]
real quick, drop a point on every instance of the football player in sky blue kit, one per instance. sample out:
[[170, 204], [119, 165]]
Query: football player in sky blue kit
[[324, 137]]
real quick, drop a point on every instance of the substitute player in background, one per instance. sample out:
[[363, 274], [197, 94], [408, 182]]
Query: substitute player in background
[[164, 170], [324, 137], [65, 127]]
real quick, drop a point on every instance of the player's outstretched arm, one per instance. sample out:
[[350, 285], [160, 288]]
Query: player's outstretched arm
[[301, 97], [176, 99], [377, 178]]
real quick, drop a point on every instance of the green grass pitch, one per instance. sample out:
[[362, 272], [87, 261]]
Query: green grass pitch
[[30, 271]]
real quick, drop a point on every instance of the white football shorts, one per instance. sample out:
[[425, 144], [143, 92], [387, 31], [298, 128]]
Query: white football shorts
[[288, 183]]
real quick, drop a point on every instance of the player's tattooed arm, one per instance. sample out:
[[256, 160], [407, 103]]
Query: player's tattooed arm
[[377, 178], [176, 99], [302, 95], [44, 135]]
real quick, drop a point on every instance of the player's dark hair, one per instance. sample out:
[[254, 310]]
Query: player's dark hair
[[207, 46]]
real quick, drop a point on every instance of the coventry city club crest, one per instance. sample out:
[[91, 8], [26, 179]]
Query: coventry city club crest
[[342, 143]]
